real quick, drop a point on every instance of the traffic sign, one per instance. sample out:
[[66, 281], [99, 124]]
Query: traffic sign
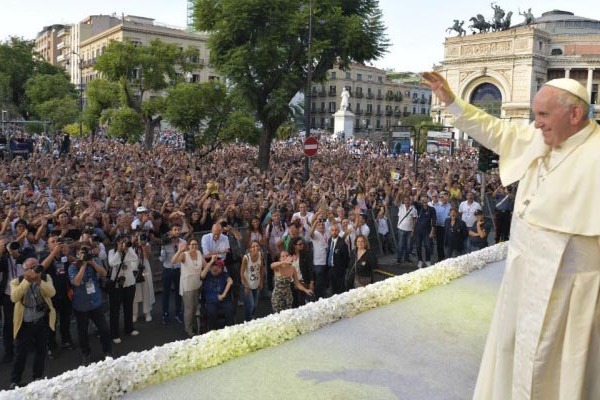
[[311, 146]]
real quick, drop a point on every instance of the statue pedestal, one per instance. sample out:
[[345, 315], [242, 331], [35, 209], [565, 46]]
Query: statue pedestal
[[344, 122]]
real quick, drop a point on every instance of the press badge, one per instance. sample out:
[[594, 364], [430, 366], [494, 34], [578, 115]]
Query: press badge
[[60, 269], [89, 287]]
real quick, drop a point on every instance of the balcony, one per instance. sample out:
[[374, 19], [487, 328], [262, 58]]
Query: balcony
[[379, 97], [322, 93], [63, 32], [359, 95], [378, 113], [398, 114], [358, 112], [61, 45], [370, 95], [61, 58], [332, 93], [388, 113], [369, 112]]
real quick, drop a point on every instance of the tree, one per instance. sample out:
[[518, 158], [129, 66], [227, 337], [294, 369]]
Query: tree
[[261, 46], [139, 70], [101, 95], [19, 63], [52, 97], [207, 114]]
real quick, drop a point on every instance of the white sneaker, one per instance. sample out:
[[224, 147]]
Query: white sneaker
[[117, 341], [428, 263], [134, 333], [420, 264], [148, 317]]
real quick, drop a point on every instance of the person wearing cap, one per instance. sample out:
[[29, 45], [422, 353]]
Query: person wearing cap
[[544, 340], [478, 233]]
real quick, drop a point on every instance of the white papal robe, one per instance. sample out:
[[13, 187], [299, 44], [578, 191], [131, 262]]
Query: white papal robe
[[544, 340]]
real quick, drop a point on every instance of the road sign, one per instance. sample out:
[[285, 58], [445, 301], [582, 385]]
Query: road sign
[[311, 146]]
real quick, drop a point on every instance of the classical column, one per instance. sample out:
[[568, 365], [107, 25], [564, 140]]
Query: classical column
[[567, 72], [589, 81]]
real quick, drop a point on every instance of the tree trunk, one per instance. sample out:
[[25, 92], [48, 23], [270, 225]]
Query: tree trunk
[[149, 125], [264, 148]]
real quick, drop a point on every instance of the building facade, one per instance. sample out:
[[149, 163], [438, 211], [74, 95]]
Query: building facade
[[46, 43], [142, 31], [377, 102], [502, 71]]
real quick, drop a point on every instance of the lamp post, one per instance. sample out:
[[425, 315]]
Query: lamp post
[[307, 110], [80, 66]]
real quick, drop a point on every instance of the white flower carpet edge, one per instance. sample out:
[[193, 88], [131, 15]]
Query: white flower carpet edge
[[111, 378]]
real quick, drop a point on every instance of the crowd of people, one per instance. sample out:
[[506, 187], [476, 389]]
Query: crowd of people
[[103, 218]]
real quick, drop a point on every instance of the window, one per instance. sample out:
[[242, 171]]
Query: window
[[332, 106], [332, 90], [359, 77], [369, 108], [380, 79], [333, 75], [348, 75], [369, 78]]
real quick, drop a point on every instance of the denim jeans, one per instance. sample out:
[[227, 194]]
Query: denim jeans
[[171, 277], [422, 239], [402, 247], [214, 309], [321, 280], [250, 303]]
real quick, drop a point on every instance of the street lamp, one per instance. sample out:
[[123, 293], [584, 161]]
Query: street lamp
[[307, 113], [80, 66]]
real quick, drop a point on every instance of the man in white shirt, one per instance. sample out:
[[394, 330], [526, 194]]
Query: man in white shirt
[[319, 237], [467, 210], [407, 216], [305, 216]]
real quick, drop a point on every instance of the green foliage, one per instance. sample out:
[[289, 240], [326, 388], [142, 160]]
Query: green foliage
[[19, 64], [61, 111], [123, 123], [261, 46], [131, 71], [34, 127], [73, 130], [101, 95], [207, 112], [417, 120]]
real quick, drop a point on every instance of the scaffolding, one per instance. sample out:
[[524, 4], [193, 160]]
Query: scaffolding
[[190, 15]]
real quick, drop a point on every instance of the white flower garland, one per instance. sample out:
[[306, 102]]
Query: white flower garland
[[112, 378]]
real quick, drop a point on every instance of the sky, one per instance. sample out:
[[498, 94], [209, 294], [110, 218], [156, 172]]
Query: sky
[[416, 30]]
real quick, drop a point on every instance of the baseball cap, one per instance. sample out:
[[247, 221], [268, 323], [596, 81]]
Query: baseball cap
[[141, 209]]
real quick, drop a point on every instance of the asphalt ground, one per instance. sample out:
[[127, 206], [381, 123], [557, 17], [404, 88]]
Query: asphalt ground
[[154, 333]]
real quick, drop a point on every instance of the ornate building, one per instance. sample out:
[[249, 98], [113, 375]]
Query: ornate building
[[378, 102], [501, 71]]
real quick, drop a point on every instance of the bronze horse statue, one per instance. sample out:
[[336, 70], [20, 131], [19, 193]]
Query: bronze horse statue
[[457, 27], [480, 24]]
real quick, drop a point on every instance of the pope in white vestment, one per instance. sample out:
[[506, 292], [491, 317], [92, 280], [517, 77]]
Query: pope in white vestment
[[544, 340]]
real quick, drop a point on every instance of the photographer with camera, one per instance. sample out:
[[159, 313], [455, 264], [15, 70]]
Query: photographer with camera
[[56, 264], [123, 262], [12, 257], [84, 276], [33, 315], [171, 272], [144, 290], [478, 233]]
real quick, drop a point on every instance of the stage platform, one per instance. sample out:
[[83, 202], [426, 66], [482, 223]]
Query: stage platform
[[424, 347]]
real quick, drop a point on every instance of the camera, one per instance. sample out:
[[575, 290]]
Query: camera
[[224, 224], [38, 269], [120, 281], [43, 307], [142, 237], [86, 255], [88, 229]]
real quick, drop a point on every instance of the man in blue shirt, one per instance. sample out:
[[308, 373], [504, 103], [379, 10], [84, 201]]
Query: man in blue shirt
[[84, 275], [478, 233], [442, 212], [424, 229]]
